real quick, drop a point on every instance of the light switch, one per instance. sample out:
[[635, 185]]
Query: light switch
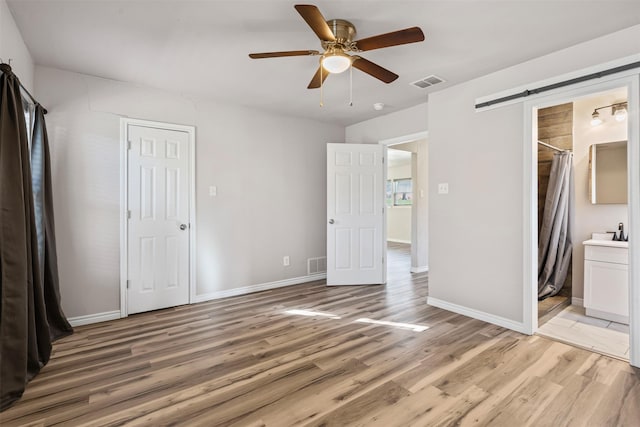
[[443, 188], [421, 193], [213, 191]]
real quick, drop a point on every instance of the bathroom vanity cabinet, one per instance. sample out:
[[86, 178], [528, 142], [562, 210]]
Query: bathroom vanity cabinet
[[606, 280]]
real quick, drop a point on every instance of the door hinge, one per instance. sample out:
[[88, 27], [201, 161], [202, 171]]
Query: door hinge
[[128, 214], [383, 260], [128, 145], [128, 283], [383, 160]]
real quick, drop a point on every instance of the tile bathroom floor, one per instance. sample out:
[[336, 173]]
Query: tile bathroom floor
[[572, 326]]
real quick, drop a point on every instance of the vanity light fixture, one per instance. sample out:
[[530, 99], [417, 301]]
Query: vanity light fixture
[[618, 111]]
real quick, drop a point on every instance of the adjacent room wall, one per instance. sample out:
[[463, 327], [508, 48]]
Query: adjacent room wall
[[591, 218], [12, 47], [420, 212], [270, 173], [399, 217], [476, 231]]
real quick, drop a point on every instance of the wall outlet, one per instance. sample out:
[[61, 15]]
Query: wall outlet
[[213, 191], [443, 188], [285, 261]]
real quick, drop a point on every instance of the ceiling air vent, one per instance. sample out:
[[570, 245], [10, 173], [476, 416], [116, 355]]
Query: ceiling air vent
[[427, 81]]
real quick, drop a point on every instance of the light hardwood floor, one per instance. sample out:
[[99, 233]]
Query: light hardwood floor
[[244, 361]]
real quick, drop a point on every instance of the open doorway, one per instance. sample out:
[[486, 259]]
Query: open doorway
[[399, 198], [406, 204], [583, 286]]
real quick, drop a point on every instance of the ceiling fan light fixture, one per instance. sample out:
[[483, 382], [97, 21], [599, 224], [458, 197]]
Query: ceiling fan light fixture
[[336, 62]]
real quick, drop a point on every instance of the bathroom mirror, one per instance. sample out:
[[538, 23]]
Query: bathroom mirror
[[608, 173]]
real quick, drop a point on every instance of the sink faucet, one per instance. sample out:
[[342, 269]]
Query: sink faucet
[[622, 237]]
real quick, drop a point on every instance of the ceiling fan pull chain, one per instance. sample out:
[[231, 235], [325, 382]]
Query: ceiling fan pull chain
[[321, 103], [350, 85]]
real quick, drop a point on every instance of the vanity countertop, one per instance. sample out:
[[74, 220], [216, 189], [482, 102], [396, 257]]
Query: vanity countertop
[[610, 243]]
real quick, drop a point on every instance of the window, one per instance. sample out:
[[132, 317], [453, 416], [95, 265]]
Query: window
[[399, 192], [403, 193], [29, 118]]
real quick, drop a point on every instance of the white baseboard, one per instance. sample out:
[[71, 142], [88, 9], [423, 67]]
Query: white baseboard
[[408, 242], [94, 318], [421, 269], [257, 288], [577, 301], [480, 315], [113, 315]]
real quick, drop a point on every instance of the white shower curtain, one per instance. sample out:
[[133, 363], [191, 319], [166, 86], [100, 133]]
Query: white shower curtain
[[554, 241]]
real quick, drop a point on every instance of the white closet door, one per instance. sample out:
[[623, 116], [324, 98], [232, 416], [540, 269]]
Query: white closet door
[[158, 233]]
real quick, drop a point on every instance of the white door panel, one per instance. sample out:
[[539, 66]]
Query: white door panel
[[158, 201], [355, 214]]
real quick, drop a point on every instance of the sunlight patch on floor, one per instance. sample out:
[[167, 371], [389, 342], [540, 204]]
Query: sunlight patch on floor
[[409, 326], [311, 313]]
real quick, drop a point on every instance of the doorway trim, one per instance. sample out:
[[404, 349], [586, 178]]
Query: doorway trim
[[404, 138], [630, 80], [124, 183]]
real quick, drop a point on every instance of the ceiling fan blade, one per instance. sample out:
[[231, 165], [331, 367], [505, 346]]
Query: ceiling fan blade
[[373, 69], [408, 35], [285, 53], [317, 81], [316, 21]]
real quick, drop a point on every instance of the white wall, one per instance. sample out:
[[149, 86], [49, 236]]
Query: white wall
[[476, 231], [12, 47], [270, 172], [400, 123], [588, 217], [399, 217]]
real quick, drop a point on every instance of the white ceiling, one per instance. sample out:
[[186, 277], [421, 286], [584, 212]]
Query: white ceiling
[[199, 48]]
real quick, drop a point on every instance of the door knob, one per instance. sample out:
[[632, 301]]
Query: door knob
[[331, 221], [183, 226]]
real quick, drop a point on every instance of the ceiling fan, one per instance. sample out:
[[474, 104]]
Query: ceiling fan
[[336, 37]]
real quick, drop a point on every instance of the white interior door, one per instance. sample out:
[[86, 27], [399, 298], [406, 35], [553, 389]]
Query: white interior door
[[158, 225], [355, 214]]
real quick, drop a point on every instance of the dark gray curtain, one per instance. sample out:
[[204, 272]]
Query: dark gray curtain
[[554, 241], [30, 313], [43, 203]]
